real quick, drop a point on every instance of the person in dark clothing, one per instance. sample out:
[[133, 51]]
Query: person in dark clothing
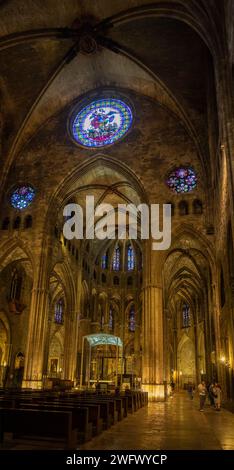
[[211, 394], [190, 391]]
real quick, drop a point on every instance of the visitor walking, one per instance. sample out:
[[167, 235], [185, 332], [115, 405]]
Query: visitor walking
[[190, 391], [202, 395], [217, 392]]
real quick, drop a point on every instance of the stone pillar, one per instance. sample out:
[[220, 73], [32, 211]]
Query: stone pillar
[[38, 318], [47, 346], [95, 324], [197, 357], [70, 346], [152, 356], [137, 337], [106, 316]]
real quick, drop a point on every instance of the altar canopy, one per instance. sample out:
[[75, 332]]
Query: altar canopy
[[103, 364], [102, 338]]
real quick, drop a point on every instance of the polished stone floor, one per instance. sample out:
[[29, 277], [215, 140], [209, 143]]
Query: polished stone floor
[[176, 424]]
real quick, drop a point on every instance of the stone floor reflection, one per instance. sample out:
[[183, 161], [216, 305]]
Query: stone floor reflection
[[176, 424]]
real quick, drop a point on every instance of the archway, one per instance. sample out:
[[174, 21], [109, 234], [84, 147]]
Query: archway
[[186, 362]]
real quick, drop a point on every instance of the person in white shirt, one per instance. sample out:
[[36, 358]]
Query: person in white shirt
[[202, 395]]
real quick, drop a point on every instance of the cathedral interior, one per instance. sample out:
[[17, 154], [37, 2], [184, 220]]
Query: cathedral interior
[[129, 102]]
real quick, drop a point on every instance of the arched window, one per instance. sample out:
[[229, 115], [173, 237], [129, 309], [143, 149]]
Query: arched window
[[183, 208], [28, 221], [111, 319], [197, 207], [186, 316], [16, 285], [16, 223], [116, 259], [59, 311], [132, 319], [131, 258], [6, 223], [104, 262]]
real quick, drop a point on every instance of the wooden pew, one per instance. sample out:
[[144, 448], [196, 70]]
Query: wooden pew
[[80, 417], [94, 417], [39, 424]]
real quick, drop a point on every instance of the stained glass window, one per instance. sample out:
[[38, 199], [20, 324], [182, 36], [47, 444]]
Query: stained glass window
[[132, 320], [186, 316], [16, 285], [58, 313], [182, 180], [116, 259], [102, 122], [131, 260], [111, 320], [22, 197], [104, 261]]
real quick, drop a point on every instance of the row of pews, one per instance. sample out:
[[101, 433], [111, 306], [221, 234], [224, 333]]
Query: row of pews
[[70, 418]]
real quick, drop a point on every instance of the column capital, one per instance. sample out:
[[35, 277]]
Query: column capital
[[40, 290], [155, 286]]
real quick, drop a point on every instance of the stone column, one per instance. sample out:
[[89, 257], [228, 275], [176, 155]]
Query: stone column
[[197, 357], [38, 318], [72, 330], [152, 356], [70, 346], [106, 316]]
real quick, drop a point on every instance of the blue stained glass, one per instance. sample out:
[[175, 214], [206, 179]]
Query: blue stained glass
[[104, 261], [131, 260], [131, 323], [102, 122], [58, 314], [182, 180], [116, 259], [111, 319], [186, 316], [22, 197]]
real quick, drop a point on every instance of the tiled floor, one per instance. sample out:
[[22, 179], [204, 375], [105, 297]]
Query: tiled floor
[[176, 424]]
